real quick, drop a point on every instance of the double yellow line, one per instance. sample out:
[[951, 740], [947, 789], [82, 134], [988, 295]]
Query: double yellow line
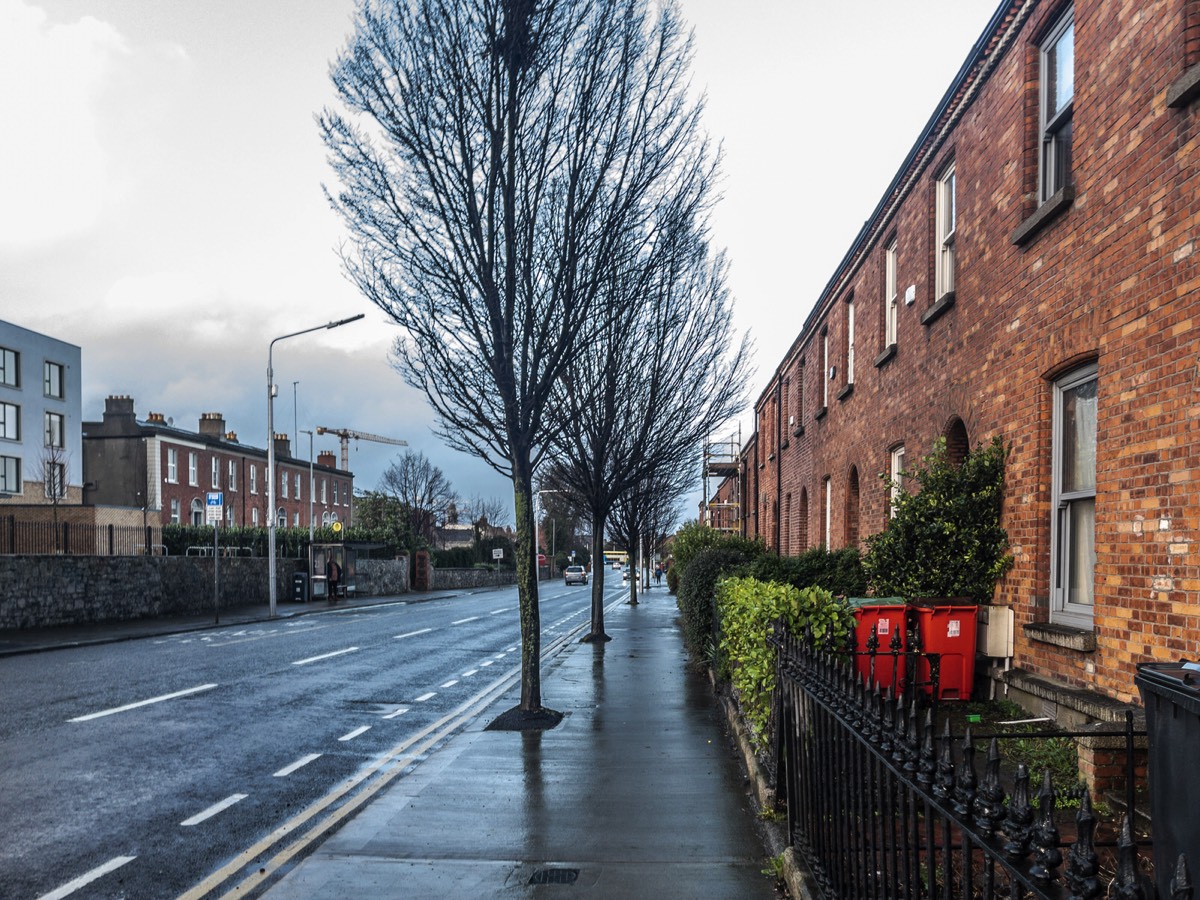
[[371, 780]]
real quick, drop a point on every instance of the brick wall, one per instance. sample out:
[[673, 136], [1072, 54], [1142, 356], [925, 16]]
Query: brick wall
[[1113, 279]]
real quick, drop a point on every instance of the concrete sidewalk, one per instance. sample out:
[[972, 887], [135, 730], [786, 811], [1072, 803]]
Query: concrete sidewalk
[[637, 793]]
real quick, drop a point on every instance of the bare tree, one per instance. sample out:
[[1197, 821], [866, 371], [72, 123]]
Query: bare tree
[[421, 488], [496, 157], [53, 471], [645, 514], [663, 377]]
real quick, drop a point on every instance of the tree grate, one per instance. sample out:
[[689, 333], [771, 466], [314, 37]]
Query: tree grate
[[554, 876]]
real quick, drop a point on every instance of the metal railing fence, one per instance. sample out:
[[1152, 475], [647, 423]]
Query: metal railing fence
[[881, 807]]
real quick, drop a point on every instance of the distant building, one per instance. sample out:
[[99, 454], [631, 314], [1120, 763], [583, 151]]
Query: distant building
[[168, 471], [40, 416]]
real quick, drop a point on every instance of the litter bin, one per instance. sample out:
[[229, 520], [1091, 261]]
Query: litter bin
[[886, 616], [1171, 695], [299, 587], [950, 632]]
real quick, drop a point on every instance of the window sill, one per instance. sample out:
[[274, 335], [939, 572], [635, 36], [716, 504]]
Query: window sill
[[846, 391], [784, 445], [820, 413], [1079, 639], [935, 312], [798, 431], [1185, 89], [888, 352], [1044, 215]]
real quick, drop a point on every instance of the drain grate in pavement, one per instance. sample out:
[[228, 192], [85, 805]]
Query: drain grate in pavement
[[554, 876]]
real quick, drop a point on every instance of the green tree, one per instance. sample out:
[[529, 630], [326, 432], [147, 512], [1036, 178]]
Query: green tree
[[946, 539]]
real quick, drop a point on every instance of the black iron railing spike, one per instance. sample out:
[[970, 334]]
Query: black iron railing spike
[[1129, 884], [1019, 821], [1083, 865], [965, 779], [989, 802], [927, 768], [1181, 884], [1044, 836], [944, 784]]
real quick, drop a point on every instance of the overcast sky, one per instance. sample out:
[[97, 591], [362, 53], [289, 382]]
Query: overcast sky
[[161, 206]]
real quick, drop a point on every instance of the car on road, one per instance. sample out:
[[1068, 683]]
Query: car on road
[[575, 575]]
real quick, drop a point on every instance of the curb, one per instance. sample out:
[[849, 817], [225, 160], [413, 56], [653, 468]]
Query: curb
[[800, 882]]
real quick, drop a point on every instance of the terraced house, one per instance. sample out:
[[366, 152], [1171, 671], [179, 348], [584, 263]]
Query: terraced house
[[1032, 273]]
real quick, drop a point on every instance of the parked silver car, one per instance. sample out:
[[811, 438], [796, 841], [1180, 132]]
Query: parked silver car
[[575, 575]]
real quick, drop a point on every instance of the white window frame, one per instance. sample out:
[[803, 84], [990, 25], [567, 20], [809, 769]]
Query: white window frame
[[1055, 125], [233, 476], [55, 430], [253, 480], [946, 225], [891, 294], [298, 484], [828, 512], [826, 376], [1067, 502], [324, 490], [193, 474], [281, 518], [172, 465], [254, 516], [283, 485], [896, 477], [216, 473], [175, 511], [850, 339], [196, 512], [295, 520]]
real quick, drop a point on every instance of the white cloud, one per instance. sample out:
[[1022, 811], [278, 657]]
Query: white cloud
[[52, 164]]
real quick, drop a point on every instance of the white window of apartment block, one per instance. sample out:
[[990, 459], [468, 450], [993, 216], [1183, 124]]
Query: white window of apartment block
[[1073, 500], [946, 216]]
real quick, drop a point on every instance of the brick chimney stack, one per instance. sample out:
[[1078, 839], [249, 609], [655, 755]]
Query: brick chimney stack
[[283, 446], [327, 458], [212, 424]]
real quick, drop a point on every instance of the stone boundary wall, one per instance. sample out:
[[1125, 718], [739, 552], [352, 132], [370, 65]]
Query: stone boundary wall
[[447, 579], [44, 591]]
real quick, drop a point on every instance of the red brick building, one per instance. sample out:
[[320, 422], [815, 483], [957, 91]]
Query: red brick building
[[1032, 273], [170, 470]]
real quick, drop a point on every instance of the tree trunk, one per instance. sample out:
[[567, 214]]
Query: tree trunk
[[527, 595], [597, 633]]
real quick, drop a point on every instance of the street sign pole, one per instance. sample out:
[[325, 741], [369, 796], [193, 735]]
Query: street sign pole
[[213, 511]]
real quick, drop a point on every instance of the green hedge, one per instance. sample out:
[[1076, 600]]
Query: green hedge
[[748, 609], [840, 572], [696, 596]]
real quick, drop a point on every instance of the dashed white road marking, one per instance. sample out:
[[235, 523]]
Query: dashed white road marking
[[313, 659], [298, 764], [229, 801], [129, 706], [413, 633], [464, 621], [451, 683], [398, 712], [362, 729], [425, 697], [87, 878], [496, 612], [470, 673], [486, 662]]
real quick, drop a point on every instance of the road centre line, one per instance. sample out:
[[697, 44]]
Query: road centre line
[[129, 706], [449, 684], [87, 878], [229, 801], [365, 785], [496, 612], [486, 662], [413, 633], [313, 659], [298, 764], [425, 697], [398, 712], [362, 729], [465, 621], [469, 673]]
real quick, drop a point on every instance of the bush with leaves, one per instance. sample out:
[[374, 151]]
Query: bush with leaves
[[838, 571], [945, 540], [748, 609], [695, 537], [697, 596]]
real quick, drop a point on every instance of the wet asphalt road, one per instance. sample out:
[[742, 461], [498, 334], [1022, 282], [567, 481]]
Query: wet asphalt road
[[166, 757]]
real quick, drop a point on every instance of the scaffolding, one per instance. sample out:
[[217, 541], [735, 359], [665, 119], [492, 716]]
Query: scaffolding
[[722, 462]]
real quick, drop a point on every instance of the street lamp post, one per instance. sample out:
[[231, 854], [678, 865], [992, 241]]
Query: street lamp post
[[311, 483], [271, 512]]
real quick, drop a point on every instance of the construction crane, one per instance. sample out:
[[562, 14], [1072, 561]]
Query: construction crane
[[345, 434]]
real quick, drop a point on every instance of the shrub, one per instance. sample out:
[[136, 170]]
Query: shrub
[[945, 540], [694, 538], [697, 595], [839, 571], [748, 609], [673, 579]]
